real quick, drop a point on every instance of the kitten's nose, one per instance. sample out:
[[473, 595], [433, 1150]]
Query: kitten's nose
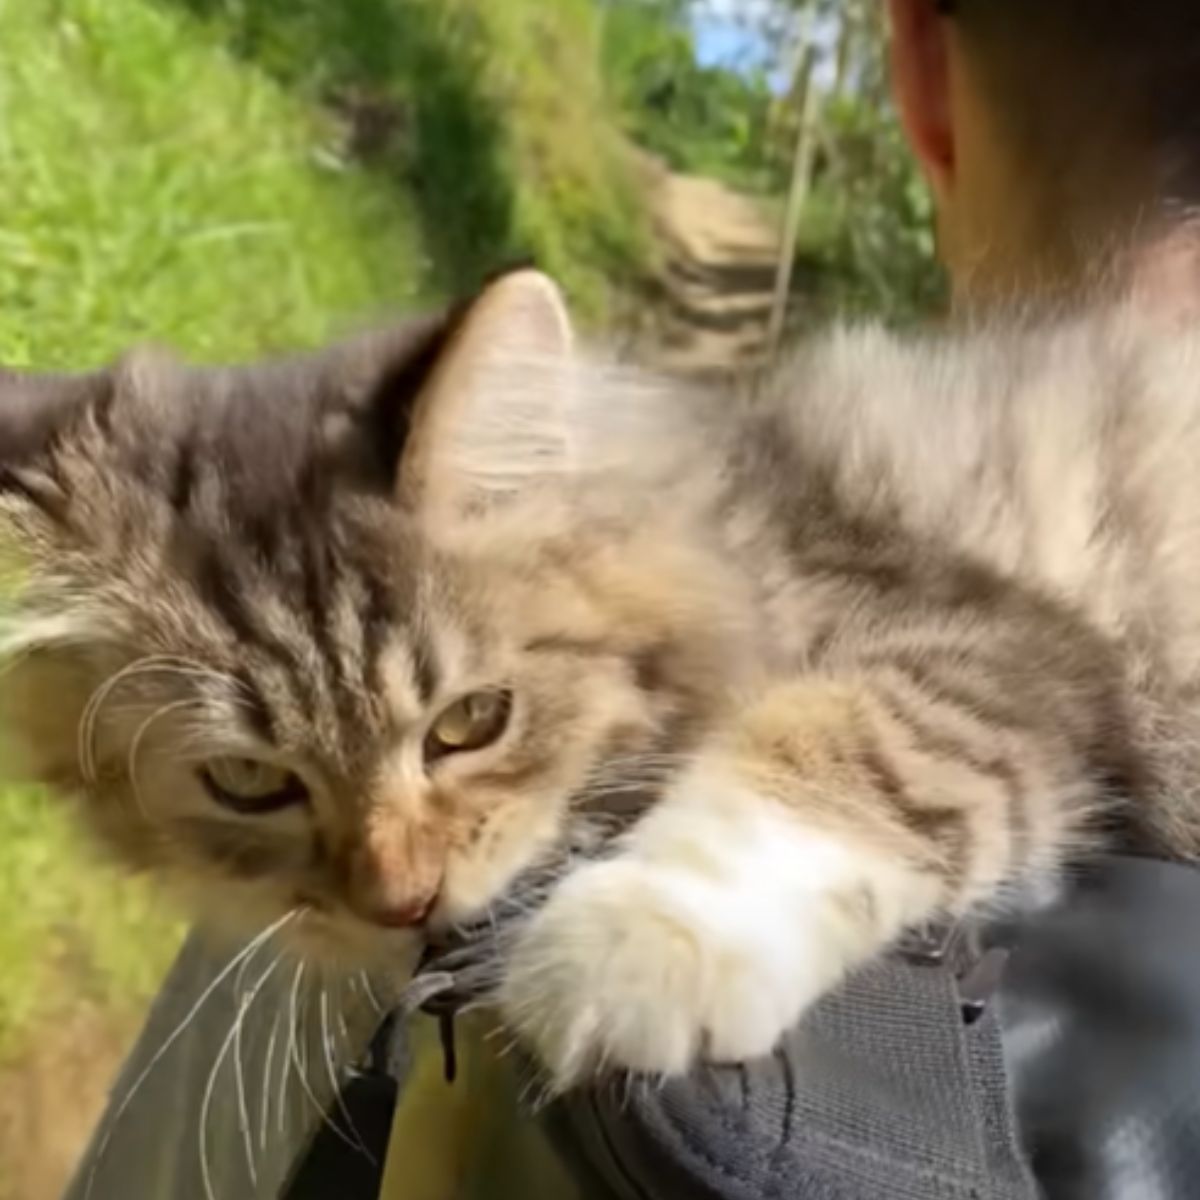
[[396, 904], [396, 875], [406, 914]]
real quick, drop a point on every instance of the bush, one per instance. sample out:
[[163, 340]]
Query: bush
[[704, 120], [866, 237], [489, 114]]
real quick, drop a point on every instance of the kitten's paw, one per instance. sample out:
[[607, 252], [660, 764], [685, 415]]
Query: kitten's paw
[[722, 920], [635, 966]]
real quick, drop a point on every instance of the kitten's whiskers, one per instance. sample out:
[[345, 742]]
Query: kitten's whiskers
[[333, 1081], [265, 1116], [250, 948], [149, 665], [135, 745], [301, 1068], [366, 982], [232, 1038]]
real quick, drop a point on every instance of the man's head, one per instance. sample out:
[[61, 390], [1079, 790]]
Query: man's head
[[1054, 132]]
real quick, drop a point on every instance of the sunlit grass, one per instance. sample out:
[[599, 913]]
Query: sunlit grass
[[493, 116], [72, 930], [155, 186]]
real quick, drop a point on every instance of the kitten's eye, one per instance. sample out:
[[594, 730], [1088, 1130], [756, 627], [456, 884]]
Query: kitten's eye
[[251, 786], [471, 723]]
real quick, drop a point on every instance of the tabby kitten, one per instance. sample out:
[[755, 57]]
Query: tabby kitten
[[373, 638]]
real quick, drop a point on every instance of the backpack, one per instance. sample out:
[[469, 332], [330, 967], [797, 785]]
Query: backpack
[[1054, 1056]]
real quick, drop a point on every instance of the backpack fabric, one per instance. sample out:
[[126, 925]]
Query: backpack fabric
[[1073, 1073]]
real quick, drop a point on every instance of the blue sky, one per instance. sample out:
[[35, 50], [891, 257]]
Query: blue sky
[[721, 41], [728, 34], [727, 31]]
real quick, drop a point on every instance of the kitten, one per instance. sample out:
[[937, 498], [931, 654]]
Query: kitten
[[375, 638]]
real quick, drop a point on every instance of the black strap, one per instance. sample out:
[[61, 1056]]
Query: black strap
[[335, 1165]]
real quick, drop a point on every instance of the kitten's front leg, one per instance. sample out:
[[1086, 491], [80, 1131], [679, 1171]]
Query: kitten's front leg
[[772, 867]]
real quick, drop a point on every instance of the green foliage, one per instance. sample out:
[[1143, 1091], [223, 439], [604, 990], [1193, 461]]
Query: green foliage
[[72, 929], [866, 238], [490, 114], [704, 120], [866, 243], [154, 187]]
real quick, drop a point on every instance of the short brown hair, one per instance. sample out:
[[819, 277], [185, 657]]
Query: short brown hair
[[1075, 78]]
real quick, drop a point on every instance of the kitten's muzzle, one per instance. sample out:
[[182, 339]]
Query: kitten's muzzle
[[393, 903], [408, 914], [397, 873]]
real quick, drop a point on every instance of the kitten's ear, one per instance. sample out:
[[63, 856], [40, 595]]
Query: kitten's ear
[[494, 410], [34, 409]]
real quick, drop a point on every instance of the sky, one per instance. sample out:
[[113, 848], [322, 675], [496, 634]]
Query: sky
[[726, 43], [726, 34]]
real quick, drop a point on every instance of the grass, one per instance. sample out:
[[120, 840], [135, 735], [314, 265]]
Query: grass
[[73, 930], [491, 114], [154, 186], [234, 176]]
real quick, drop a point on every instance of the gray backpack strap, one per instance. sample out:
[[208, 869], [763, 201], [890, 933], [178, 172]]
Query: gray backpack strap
[[199, 1111], [884, 1093]]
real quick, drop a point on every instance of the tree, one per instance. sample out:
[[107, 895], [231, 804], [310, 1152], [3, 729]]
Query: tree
[[704, 119], [864, 231], [812, 120]]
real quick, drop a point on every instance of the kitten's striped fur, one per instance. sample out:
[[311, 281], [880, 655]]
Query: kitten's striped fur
[[903, 632]]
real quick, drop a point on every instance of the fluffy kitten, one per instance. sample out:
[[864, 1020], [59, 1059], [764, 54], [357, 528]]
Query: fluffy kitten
[[374, 637]]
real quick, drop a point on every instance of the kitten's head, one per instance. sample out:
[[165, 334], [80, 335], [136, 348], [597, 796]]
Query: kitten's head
[[348, 635]]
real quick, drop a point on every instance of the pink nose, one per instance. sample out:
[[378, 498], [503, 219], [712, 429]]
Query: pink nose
[[406, 914], [396, 871]]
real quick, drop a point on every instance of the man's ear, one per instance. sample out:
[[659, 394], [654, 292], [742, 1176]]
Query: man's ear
[[920, 59], [493, 410]]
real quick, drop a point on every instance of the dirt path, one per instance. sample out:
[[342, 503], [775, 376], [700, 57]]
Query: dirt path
[[714, 289], [51, 1098]]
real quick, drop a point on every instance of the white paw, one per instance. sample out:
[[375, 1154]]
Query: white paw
[[708, 937], [637, 967]]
